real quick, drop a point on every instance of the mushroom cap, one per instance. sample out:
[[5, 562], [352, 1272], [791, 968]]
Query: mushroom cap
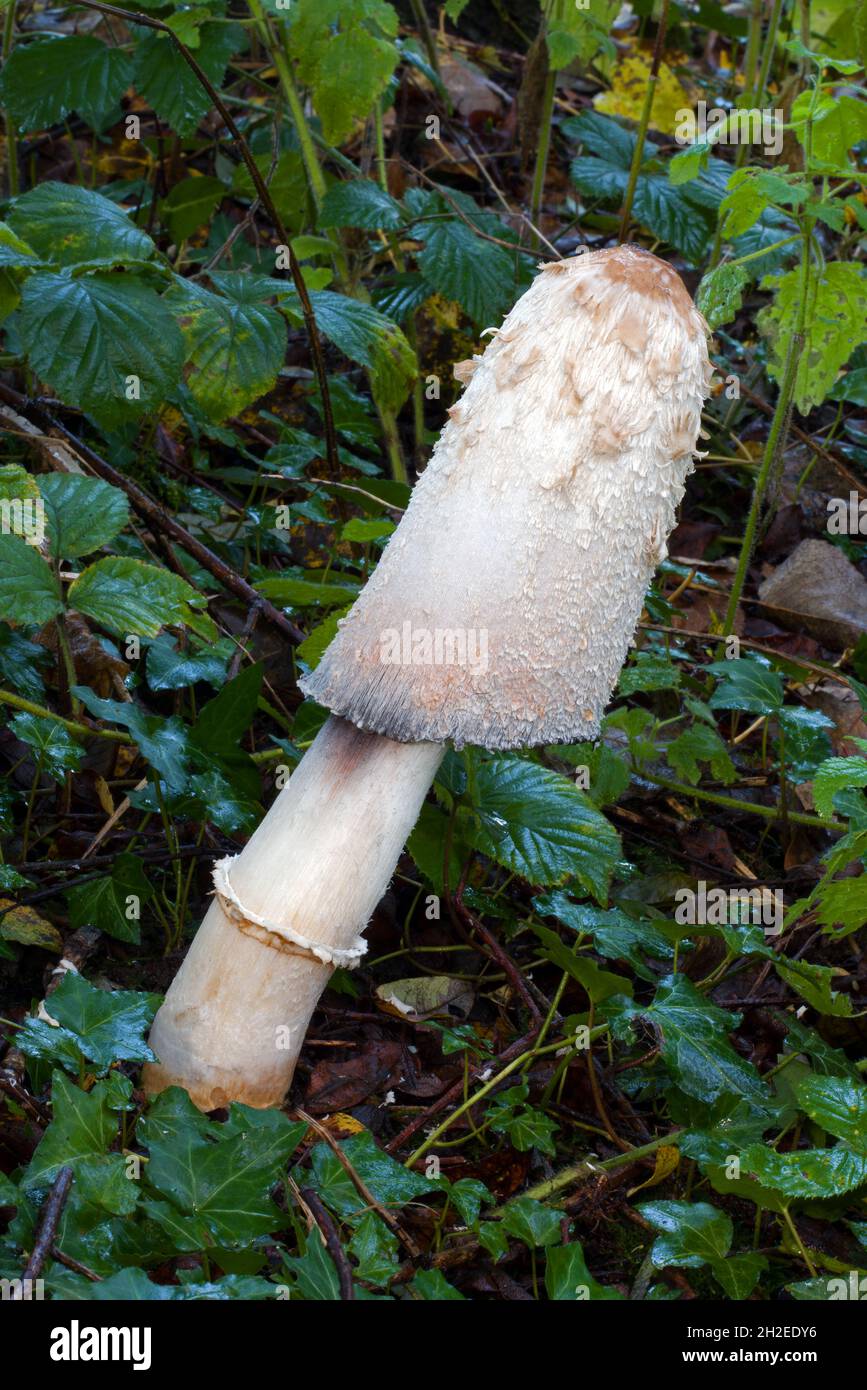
[[502, 608]]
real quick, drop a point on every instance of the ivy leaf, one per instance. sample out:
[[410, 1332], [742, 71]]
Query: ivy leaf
[[68, 225], [694, 1233], [360, 203], [366, 336], [82, 513], [469, 1195], [106, 1025], [738, 1275], [375, 1249], [224, 720], [20, 661], [532, 1222], [104, 342], [391, 1184], [83, 1126], [56, 750], [315, 1273], [834, 326], [29, 592], [539, 825], [24, 925], [104, 903], [568, 1280], [130, 596], [433, 1286], [47, 79], [163, 77], [225, 1179], [235, 346], [648, 672], [599, 984], [695, 1046]]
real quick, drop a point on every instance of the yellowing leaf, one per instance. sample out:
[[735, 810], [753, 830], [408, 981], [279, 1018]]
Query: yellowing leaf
[[24, 925], [425, 997], [629, 85], [667, 1159]]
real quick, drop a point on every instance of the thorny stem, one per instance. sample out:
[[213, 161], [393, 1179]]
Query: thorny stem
[[11, 139], [644, 123]]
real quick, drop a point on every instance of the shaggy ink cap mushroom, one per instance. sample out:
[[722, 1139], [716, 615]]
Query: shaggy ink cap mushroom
[[503, 606]]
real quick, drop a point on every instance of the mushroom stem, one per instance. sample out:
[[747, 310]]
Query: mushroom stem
[[234, 1019]]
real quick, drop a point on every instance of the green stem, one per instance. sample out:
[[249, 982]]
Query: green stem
[[644, 123], [749, 807], [587, 1168], [773, 446], [543, 148], [83, 730], [488, 1087]]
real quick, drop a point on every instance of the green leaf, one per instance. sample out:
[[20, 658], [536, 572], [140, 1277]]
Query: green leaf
[[694, 1233], [568, 1280], [83, 1126], [532, 1222], [68, 225], [469, 1195], [843, 906], [234, 347], [20, 661], [432, 1285], [614, 934], [29, 593], [457, 264], [189, 205], [170, 669], [695, 1046], [738, 1275], [599, 984], [47, 79], [105, 902], [163, 77], [225, 1179], [838, 1105], [720, 294], [164, 743], [305, 593], [366, 336], [224, 720], [56, 750], [700, 744], [538, 824], [835, 775], [836, 314], [375, 1249], [346, 68], [648, 672], [751, 191], [391, 1184], [811, 1173], [104, 342], [82, 513], [746, 684], [106, 1025], [815, 984], [315, 1273], [130, 596], [360, 203]]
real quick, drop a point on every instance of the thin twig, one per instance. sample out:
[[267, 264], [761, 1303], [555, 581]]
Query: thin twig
[[51, 1214], [322, 1217]]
